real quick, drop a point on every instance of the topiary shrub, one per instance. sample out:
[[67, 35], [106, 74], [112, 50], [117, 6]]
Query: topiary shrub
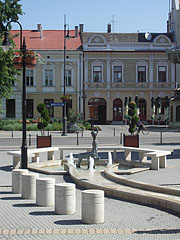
[[44, 119], [133, 117]]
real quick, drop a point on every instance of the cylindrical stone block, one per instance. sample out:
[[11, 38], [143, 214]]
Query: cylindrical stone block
[[45, 192], [65, 202], [28, 185], [92, 206], [16, 179]]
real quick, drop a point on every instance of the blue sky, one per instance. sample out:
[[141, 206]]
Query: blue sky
[[129, 15]]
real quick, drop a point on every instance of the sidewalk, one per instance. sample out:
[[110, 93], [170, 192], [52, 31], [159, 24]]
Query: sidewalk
[[22, 219]]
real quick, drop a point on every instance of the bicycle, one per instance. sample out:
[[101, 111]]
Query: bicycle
[[144, 131]]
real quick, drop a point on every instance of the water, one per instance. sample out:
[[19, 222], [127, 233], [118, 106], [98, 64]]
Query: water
[[83, 168], [109, 158]]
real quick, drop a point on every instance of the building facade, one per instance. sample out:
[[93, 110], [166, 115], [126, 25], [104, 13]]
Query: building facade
[[45, 82], [117, 65]]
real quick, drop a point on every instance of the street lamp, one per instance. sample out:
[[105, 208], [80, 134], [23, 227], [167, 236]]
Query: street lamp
[[66, 36], [5, 44]]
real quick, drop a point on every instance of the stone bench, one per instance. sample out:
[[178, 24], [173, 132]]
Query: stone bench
[[34, 153]]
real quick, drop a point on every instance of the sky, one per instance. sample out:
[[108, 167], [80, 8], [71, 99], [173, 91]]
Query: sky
[[124, 15]]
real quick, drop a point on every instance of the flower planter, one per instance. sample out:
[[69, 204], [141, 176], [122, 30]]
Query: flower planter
[[43, 141], [30, 62], [131, 141]]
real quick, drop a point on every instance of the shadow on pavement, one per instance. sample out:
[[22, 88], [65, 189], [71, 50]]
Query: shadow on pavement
[[42, 213], [68, 222], [159, 231], [6, 168], [25, 205]]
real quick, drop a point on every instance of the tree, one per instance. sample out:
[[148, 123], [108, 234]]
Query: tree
[[9, 10], [41, 108], [132, 112]]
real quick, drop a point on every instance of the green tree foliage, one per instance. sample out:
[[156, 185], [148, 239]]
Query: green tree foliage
[[132, 112], [9, 10], [41, 108]]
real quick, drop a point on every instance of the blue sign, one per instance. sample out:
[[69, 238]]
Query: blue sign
[[58, 104]]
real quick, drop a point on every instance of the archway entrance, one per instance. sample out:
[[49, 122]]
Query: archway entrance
[[117, 110], [178, 113], [142, 109], [97, 110]]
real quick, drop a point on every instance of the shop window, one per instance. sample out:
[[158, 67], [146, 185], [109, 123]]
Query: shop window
[[10, 108], [49, 108], [141, 74]]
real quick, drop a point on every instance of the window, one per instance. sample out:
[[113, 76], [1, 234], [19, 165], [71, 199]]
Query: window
[[141, 74], [30, 107], [29, 78], [10, 108], [97, 74], [117, 74], [162, 74], [68, 78], [50, 109], [49, 78]]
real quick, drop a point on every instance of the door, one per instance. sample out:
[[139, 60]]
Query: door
[[117, 110], [142, 109]]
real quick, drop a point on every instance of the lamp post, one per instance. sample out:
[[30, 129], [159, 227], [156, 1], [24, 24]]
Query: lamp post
[[24, 160], [66, 36]]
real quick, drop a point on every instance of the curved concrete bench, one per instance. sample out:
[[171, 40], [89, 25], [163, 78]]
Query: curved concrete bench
[[153, 199]]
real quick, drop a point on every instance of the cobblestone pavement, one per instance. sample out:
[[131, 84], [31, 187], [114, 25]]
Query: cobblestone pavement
[[21, 219]]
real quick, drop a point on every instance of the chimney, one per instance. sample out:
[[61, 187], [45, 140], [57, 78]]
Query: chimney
[[76, 31], [109, 28], [81, 26], [39, 29]]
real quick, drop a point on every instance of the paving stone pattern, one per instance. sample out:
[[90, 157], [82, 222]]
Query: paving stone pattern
[[21, 219]]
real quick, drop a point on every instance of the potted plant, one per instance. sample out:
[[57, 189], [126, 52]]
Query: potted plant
[[43, 141], [31, 58], [132, 140], [66, 97], [72, 121]]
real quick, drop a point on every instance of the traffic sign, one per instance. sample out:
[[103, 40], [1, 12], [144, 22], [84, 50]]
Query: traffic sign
[[58, 104]]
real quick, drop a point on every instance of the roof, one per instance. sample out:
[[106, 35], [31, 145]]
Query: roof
[[124, 37], [51, 40]]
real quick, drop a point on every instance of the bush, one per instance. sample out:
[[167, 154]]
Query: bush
[[31, 127], [132, 112], [41, 108], [55, 126], [14, 126]]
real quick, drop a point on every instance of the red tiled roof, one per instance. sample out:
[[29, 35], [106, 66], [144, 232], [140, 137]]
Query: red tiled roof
[[51, 40]]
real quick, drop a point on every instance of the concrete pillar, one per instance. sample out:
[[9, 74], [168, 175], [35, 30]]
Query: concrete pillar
[[65, 202], [50, 155], [93, 206], [16, 179], [154, 163], [162, 162], [127, 155], [28, 185], [45, 192]]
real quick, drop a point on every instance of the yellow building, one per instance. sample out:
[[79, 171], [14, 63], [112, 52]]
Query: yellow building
[[117, 65], [45, 82]]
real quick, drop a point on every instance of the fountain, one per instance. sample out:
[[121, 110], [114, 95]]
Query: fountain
[[109, 158], [71, 159], [91, 164], [93, 154]]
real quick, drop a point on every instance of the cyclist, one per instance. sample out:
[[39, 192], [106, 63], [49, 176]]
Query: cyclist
[[140, 126]]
